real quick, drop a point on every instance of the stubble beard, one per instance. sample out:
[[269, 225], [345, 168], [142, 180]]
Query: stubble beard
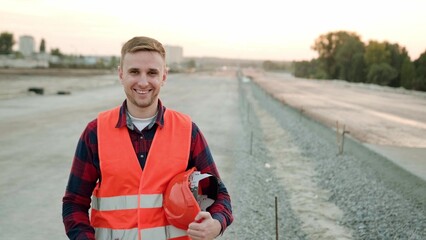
[[145, 103]]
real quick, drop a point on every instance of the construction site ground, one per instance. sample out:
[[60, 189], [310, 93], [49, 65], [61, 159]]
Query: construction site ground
[[278, 143]]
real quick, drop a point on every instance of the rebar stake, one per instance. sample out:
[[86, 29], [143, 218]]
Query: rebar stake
[[276, 217], [341, 143], [337, 133]]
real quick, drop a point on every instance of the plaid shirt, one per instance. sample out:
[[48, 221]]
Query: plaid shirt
[[85, 172]]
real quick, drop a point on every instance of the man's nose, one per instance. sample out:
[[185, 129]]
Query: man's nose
[[143, 80]]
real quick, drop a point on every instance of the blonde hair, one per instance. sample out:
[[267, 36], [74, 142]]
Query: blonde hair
[[137, 44]]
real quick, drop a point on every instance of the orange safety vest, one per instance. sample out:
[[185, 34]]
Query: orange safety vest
[[128, 203]]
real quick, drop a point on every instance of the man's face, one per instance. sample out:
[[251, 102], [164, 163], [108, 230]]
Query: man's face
[[142, 74]]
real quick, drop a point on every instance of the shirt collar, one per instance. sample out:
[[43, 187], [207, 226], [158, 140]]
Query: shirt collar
[[124, 119]]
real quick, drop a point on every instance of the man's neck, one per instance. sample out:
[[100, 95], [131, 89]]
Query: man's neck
[[139, 112]]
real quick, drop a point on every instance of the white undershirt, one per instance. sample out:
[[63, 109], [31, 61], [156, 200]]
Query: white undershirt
[[141, 123]]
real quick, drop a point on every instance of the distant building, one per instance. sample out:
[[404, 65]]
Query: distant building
[[26, 45], [174, 56]]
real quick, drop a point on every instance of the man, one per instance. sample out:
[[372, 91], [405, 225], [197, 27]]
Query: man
[[126, 157]]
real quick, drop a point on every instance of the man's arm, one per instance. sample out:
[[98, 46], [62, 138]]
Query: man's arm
[[82, 180], [202, 159]]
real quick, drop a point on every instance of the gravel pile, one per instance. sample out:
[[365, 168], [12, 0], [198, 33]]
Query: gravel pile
[[356, 195]]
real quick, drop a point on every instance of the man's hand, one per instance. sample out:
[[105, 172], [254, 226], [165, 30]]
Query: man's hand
[[204, 227]]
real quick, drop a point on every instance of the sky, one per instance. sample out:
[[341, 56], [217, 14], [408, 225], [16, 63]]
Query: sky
[[256, 29]]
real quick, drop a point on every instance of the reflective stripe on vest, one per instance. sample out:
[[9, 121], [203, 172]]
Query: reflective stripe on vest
[[127, 204], [157, 233]]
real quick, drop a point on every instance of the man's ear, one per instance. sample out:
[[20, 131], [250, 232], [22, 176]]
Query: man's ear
[[120, 74], [166, 72]]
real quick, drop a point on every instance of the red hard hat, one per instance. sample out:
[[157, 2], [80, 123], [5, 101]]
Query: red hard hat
[[180, 203]]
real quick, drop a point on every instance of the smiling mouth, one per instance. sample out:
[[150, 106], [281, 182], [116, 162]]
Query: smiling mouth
[[142, 91]]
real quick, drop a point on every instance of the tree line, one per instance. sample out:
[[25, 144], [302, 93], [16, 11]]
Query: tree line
[[342, 55], [7, 41]]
